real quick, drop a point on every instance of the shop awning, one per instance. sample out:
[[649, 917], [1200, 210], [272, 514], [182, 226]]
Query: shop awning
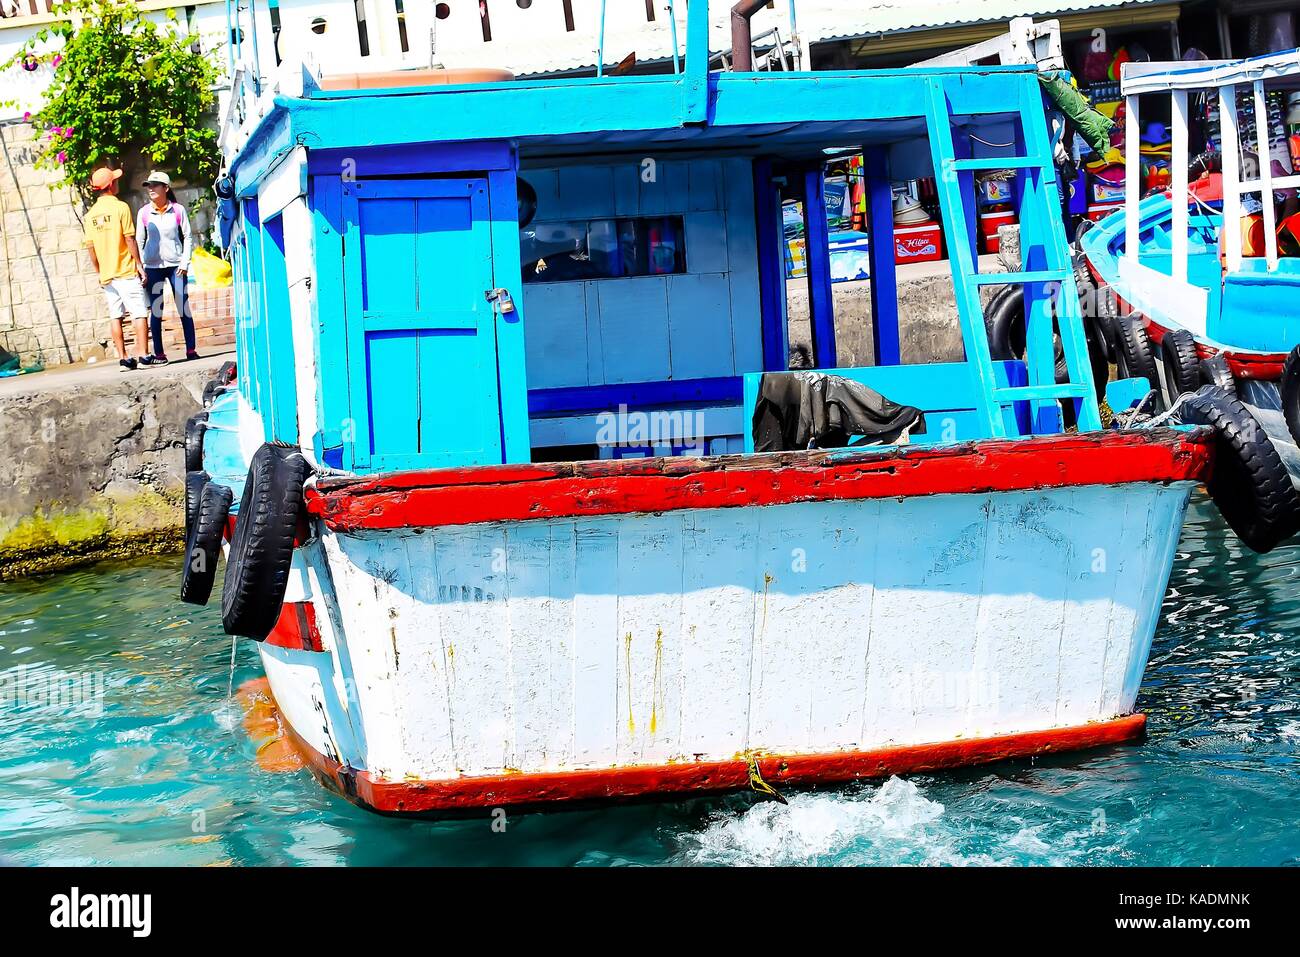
[[892, 26]]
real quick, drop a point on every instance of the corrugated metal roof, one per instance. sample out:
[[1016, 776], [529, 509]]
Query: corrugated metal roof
[[539, 46], [821, 20], [626, 31]]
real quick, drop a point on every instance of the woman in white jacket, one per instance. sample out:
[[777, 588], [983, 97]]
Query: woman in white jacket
[[162, 229]]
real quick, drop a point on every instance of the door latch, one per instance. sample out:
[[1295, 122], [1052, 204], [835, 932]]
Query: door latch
[[500, 299]]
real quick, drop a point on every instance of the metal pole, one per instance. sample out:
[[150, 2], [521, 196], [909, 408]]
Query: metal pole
[[672, 22], [257, 59], [230, 46], [742, 49], [600, 48]]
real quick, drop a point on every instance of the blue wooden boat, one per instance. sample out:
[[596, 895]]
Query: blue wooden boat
[[1198, 303], [486, 479]]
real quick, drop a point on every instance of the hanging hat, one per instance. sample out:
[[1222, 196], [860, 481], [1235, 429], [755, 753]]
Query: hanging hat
[[909, 212], [1116, 70], [1157, 134], [1293, 109]]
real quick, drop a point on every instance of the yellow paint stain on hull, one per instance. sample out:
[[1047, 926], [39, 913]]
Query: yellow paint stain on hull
[[627, 655], [656, 692]]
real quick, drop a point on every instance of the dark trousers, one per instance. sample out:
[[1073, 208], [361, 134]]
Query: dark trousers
[[155, 283]]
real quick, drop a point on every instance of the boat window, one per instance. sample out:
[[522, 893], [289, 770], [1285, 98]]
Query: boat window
[[603, 249]]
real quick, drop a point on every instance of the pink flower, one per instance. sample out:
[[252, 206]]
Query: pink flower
[[58, 58], [27, 116], [62, 157]]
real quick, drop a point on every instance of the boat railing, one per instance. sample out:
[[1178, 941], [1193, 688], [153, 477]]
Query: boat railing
[[1223, 78], [1025, 42]]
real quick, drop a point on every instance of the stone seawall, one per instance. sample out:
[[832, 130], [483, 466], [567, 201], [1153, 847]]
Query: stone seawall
[[91, 464]]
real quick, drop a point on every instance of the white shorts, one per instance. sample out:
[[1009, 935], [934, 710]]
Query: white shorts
[[126, 299]]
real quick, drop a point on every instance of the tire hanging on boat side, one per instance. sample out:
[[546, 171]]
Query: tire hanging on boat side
[[213, 389], [194, 482], [261, 550], [1182, 365], [1215, 371], [195, 426], [1005, 322], [1135, 357], [999, 315], [1290, 389], [1250, 484], [203, 545]]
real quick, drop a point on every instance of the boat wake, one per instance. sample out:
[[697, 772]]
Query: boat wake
[[894, 823]]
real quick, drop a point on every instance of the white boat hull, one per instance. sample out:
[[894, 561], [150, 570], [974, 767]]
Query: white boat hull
[[700, 635]]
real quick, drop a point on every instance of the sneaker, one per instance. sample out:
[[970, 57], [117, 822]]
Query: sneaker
[[126, 365], [152, 360], [192, 355]]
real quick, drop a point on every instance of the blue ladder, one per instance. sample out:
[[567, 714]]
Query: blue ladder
[[1047, 266]]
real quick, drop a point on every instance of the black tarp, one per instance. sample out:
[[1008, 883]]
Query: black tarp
[[802, 410]]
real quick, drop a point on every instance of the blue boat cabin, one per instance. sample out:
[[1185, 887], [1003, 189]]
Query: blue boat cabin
[[446, 276]]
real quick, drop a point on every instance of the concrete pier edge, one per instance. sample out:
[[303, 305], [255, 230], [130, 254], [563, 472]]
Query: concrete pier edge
[[92, 464]]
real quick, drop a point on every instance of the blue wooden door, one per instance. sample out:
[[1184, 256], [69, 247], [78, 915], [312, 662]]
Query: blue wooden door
[[422, 361]]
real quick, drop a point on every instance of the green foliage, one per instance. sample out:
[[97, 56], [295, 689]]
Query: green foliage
[[123, 87]]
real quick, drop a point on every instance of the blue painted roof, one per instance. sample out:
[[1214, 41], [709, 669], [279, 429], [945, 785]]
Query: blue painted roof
[[777, 114]]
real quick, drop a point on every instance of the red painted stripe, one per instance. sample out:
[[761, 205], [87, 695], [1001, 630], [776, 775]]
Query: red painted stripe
[[517, 493], [296, 628], [1264, 366], [468, 794]]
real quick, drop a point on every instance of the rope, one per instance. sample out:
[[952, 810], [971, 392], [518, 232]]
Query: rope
[[1157, 420]]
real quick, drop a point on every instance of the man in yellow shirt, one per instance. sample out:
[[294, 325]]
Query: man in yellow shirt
[[110, 239]]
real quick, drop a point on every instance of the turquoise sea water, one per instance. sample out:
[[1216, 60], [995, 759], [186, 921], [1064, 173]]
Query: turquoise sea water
[[147, 762]]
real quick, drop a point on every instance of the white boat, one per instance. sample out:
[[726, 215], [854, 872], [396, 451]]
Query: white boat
[[470, 592]]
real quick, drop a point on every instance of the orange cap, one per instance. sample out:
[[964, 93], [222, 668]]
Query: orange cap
[[102, 178]]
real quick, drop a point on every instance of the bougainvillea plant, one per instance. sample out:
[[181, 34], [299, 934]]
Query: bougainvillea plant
[[125, 90]]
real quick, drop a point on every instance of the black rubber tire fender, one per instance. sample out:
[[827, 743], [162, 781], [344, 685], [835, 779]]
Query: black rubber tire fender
[[999, 316], [211, 391], [226, 374], [194, 482], [261, 550], [1135, 355], [1215, 371], [1290, 389], [1081, 230], [1095, 336], [1182, 364], [1005, 321], [203, 544], [195, 426], [1249, 484]]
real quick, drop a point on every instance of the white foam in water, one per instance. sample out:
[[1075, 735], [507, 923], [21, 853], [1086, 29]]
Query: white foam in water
[[818, 828], [227, 716], [894, 823]]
